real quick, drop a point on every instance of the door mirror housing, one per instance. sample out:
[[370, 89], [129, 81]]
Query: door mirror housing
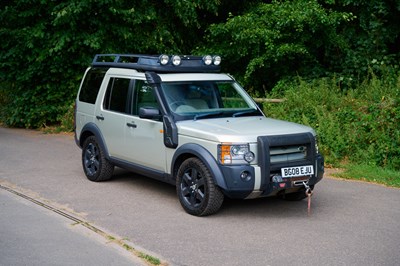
[[170, 132]]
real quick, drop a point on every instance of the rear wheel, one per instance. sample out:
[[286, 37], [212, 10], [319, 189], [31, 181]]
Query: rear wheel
[[196, 190], [95, 165]]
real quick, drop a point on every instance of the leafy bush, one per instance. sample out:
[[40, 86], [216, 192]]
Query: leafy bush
[[67, 119], [46, 46], [360, 125], [277, 39]]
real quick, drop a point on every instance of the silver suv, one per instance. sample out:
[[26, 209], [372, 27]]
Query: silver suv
[[178, 120]]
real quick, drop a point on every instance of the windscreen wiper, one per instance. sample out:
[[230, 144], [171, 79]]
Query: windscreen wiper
[[244, 112], [207, 115]]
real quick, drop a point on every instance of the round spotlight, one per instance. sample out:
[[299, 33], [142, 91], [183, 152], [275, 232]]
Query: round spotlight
[[207, 60], [249, 157], [217, 60], [176, 60], [164, 59]]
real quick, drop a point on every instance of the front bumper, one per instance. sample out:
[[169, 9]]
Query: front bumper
[[278, 185], [263, 185]]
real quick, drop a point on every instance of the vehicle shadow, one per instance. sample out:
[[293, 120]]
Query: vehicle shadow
[[266, 207], [141, 182], [260, 207]]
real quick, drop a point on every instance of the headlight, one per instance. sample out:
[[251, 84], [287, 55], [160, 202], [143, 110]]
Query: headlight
[[229, 153]]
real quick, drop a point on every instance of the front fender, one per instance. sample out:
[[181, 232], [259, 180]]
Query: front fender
[[205, 156]]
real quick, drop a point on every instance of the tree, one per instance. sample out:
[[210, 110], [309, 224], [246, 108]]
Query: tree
[[46, 45], [372, 37], [275, 40]]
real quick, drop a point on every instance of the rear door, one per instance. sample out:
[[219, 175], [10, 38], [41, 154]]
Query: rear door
[[111, 115]]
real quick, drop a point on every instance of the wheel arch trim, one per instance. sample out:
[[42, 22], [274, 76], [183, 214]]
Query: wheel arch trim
[[196, 150], [91, 129]]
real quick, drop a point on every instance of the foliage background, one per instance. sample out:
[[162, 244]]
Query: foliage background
[[336, 62]]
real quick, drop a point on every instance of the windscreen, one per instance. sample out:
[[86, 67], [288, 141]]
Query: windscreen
[[196, 99]]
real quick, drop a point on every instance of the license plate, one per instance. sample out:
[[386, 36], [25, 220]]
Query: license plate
[[305, 170]]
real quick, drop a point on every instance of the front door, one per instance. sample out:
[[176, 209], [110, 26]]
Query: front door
[[144, 144]]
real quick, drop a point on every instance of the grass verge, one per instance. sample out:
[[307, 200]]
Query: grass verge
[[150, 259], [370, 173]]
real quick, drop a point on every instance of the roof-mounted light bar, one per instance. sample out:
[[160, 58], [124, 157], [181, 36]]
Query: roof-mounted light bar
[[176, 60], [162, 63]]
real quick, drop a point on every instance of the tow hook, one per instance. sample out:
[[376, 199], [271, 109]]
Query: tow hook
[[309, 194]]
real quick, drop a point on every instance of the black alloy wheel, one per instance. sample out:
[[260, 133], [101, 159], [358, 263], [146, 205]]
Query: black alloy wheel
[[196, 190], [95, 165]]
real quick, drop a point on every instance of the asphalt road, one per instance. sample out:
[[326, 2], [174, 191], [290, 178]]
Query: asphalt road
[[352, 223], [33, 235]]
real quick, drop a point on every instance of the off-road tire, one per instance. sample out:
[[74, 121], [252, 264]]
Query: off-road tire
[[196, 189], [95, 165]]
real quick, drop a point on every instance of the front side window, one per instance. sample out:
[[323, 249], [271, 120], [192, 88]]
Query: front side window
[[196, 99], [144, 97]]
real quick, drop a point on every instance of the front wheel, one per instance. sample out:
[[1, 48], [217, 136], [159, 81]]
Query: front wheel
[[196, 190], [95, 164]]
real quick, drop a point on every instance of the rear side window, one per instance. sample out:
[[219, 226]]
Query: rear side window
[[116, 98], [91, 85]]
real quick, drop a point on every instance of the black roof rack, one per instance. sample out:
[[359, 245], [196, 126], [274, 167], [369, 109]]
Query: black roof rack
[[188, 64]]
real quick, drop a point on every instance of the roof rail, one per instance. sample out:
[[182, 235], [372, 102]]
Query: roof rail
[[159, 63]]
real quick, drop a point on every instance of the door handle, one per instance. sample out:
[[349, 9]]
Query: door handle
[[131, 125], [100, 117]]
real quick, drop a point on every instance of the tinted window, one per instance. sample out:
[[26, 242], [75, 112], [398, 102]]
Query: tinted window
[[91, 85], [117, 95], [144, 96]]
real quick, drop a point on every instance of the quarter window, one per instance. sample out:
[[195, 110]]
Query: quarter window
[[91, 85]]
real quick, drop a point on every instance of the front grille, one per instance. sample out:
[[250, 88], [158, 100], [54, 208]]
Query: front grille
[[283, 154]]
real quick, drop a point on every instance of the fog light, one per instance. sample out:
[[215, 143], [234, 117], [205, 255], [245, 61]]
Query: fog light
[[245, 176]]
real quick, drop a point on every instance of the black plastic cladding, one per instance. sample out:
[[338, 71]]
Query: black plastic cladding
[[189, 64], [264, 144]]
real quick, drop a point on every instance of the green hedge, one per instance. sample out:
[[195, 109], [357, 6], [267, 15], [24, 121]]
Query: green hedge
[[360, 125]]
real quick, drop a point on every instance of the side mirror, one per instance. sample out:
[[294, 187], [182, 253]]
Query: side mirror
[[149, 113], [170, 132]]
